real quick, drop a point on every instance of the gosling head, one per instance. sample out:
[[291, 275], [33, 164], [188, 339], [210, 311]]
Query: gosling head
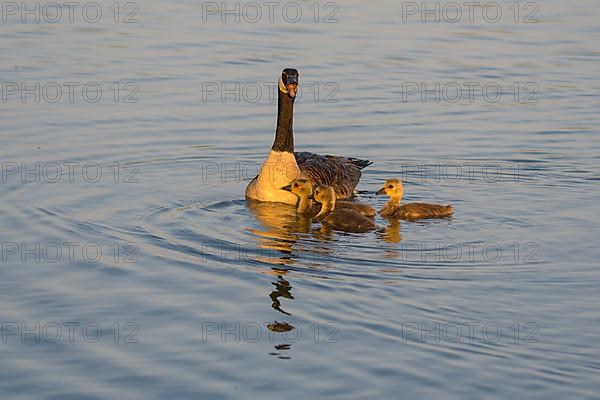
[[325, 195], [393, 188], [300, 187], [288, 83]]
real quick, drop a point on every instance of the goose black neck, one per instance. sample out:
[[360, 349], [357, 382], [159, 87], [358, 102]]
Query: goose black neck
[[284, 136]]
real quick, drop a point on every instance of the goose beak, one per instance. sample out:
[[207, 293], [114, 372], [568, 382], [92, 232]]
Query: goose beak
[[287, 188], [380, 191], [291, 87]]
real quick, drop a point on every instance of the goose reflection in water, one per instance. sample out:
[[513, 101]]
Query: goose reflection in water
[[281, 230], [286, 234], [283, 238], [283, 288]]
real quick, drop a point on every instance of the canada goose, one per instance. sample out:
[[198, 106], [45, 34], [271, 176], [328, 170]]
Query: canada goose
[[304, 190], [283, 165], [411, 211], [344, 219]]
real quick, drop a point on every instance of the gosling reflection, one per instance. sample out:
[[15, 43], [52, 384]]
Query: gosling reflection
[[391, 233]]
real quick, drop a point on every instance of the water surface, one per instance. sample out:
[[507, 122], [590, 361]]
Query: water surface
[[199, 295]]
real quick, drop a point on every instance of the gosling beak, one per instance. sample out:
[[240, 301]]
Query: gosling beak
[[380, 191], [311, 197], [287, 188]]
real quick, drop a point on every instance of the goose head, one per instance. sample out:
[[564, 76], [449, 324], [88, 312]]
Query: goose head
[[288, 83], [393, 188], [300, 187]]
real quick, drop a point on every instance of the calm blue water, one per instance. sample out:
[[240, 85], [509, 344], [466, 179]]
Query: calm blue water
[[132, 267]]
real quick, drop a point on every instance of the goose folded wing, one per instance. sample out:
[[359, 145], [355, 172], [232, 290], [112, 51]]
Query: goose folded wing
[[341, 173]]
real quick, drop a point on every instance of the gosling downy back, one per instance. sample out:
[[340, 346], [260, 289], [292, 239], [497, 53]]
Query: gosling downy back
[[344, 219]]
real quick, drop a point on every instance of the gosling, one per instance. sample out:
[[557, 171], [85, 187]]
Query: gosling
[[411, 211], [304, 190], [343, 219]]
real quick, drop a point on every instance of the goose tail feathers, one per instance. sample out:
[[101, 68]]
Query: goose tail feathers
[[359, 162]]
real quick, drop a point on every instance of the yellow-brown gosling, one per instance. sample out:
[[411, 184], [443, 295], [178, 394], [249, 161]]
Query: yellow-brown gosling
[[411, 211], [304, 190], [344, 219]]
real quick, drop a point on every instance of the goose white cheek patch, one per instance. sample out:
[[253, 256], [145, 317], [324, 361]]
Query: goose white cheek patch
[[292, 92], [282, 86]]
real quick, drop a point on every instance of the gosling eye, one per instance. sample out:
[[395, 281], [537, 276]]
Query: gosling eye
[[295, 185], [390, 187]]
